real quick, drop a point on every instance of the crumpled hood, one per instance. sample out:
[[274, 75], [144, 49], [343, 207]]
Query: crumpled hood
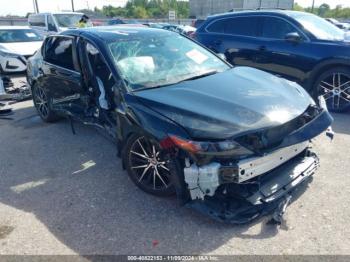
[[226, 104], [21, 48]]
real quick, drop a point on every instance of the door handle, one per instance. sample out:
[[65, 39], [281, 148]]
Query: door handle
[[262, 48]]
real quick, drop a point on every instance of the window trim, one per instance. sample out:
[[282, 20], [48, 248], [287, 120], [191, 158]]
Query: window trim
[[307, 39], [74, 53], [227, 18]]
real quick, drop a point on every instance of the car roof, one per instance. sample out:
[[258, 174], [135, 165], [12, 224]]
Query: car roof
[[57, 13], [257, 12], [116, 32], [11, 27]]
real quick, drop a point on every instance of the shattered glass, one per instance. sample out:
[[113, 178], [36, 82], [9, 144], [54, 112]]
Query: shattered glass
[[157, 61]]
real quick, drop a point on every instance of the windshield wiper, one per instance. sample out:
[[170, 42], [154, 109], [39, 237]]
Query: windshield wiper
[[213, 72]]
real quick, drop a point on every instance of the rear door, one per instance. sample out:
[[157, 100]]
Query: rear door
[[60, 69]]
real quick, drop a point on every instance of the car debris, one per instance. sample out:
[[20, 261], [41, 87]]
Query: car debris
[[5, 111], [8, 91]]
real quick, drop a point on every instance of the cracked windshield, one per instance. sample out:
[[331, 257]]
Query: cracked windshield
[[163, 60]]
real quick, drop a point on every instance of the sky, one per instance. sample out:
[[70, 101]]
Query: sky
[[22, 7], [332, 3]]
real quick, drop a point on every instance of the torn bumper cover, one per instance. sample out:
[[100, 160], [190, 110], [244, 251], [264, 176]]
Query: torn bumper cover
[[240, 203], [243, 190]]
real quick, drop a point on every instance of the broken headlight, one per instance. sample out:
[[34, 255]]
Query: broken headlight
[[217, 148]]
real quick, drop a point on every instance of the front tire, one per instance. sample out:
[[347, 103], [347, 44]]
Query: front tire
[[148, 166], [334, 85], [42, 103]]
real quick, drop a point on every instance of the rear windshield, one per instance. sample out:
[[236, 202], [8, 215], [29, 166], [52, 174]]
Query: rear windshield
[[19, 35]]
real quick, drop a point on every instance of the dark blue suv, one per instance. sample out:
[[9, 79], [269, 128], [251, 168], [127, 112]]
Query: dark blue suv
[[298, 46]]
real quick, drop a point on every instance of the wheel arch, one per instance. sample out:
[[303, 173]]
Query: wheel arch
[[323, 67]]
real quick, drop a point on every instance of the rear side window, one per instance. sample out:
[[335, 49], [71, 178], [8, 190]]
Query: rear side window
[[244, 26], [59, 51], [37, 20], [217, 26], [276, 28]]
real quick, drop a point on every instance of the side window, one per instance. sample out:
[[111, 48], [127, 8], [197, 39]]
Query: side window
[[59, 51], [276, 28], [217, 26], [51, 24], [244, 26], [37, 20]]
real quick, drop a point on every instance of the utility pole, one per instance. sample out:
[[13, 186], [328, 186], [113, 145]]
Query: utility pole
[[72, 5], [313, 6], [36, 6]]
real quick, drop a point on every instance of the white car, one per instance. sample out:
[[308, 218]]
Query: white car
[[17, 44], [52, 23]]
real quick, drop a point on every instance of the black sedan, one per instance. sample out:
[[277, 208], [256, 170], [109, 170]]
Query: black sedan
[[230, 142]]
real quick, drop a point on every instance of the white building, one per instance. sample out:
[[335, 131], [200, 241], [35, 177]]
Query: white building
[[203, 8]]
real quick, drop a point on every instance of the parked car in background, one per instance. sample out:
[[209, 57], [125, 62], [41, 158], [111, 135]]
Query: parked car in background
[[97, 22], [232, 143], [344, 26], [51, 23], [115, 21], [298, 46], [157, 25], [197, 23], [181, 29], [17, 44]]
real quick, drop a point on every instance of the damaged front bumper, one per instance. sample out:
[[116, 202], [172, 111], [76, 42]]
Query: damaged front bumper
[[242, 201], [8, 90], [242, 190]]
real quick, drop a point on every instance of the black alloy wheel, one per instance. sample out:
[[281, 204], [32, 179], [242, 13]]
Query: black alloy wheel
[[42, 104], [148, 166], [334, 86]]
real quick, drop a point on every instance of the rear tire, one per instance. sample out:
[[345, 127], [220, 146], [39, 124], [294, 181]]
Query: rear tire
[[42, 102], [147, 166], [334, 85]]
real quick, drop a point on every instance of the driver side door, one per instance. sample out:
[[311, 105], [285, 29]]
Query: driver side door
[[289, 59]]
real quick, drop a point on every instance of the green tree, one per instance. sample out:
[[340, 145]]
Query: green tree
[[297, 7], [148, 8]]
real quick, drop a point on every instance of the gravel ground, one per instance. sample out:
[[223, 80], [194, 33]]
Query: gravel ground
[[67, 194]]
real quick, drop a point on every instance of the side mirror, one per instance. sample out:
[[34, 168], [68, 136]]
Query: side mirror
[[293, 37]]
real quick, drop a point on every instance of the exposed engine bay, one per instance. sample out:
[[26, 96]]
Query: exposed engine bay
[[203, 181], [241, 189], [251, 187]]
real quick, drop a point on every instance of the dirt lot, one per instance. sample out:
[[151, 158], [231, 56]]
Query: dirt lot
[[67, 194]]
